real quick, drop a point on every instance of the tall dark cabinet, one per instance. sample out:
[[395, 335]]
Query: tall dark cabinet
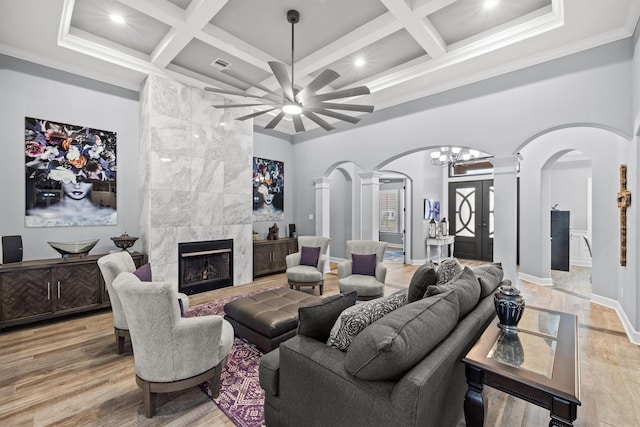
[[560, 240]]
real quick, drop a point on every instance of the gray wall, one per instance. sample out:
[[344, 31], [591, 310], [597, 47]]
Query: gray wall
[[32, 90], [269, 147], [569, 190]]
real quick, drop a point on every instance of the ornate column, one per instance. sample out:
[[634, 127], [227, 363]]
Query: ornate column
[[370, 212], [505, 208]]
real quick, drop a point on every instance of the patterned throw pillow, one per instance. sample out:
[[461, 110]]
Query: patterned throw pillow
[[447, 270], [354, 319]]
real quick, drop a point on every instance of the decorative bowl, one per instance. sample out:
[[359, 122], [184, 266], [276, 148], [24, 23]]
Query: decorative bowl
[[124, 241], [73, 249]]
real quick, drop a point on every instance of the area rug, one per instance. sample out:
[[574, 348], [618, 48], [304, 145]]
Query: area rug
[[241, 397]]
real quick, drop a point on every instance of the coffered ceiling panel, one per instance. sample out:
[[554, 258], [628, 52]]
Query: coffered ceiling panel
[[391, 51], [142, 33], [466, 18]]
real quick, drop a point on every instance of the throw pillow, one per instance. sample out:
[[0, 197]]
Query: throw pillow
[[144, 273], [447, 270], [309, 256], [354, 319], [364, 264], [489, 276], [316, 319], [394, 344], [424, 276], [466, 287]]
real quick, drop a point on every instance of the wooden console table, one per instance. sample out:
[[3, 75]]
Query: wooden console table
[[43, 289], [269, 255], [539, 364], [438, 243]]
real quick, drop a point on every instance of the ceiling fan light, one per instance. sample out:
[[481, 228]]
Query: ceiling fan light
[[292, 109]]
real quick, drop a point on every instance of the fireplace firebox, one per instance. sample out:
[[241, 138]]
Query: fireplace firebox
[[205, 266]]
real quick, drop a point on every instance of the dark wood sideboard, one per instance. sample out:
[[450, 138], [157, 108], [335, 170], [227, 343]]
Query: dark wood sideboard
[[269, 255], [42, 289]]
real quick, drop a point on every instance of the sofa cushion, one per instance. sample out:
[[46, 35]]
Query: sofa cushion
[[309, 256], [466, 287], [317, 319], [390, 347], [364, 265], [489, 276], [144, 273], [424, 276], [354, 319], [447, 270]]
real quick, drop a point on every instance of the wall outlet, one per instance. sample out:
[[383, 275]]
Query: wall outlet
[[310, 217]]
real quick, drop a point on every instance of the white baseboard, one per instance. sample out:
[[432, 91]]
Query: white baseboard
[[542, 281], [580, 262], [632, 334]]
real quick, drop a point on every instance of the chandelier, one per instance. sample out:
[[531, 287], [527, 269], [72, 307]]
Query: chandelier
[[453, 155]]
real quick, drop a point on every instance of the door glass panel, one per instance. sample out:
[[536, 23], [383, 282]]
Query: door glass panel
[[491, 212], [465, 212]]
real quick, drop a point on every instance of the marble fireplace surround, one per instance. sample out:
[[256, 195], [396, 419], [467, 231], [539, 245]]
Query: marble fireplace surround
[[195, 176]]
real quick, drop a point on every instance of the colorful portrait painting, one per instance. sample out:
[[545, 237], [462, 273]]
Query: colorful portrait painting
[[268, 190], [70, 175]]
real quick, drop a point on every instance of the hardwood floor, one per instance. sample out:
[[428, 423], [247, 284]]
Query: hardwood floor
[[67, 372]]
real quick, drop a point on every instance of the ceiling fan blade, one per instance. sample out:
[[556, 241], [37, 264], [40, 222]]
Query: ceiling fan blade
[[337, 106], [282, 75], [241, 105], [275, 120], [346, 93], [297, 123], [334, 114], [247, 82], [318, 120], [321, 80], [257, 113]]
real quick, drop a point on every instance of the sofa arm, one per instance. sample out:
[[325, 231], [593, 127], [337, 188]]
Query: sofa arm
[[269, 372], [345, 268]]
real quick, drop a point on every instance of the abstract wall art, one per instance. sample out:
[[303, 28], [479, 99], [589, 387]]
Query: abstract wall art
[[268, 190], [70, 175]]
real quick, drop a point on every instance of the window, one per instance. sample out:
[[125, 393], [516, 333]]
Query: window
[[389, 211]]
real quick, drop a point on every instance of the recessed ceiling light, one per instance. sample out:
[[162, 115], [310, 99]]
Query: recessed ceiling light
[[490, 4], [118, 19], [359, 62]]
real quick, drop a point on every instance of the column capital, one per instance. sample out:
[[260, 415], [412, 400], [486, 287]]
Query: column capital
[[370, 177], [321, 182], [507, 165]]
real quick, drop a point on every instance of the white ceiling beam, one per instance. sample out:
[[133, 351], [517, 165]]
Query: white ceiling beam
[[420, 29], [226, 42], [197, 15], [427, 7]]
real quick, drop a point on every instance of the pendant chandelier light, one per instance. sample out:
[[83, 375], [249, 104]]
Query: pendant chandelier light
[[452, 155]]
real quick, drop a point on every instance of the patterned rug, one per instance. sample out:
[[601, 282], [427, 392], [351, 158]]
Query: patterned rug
[[241, 397]]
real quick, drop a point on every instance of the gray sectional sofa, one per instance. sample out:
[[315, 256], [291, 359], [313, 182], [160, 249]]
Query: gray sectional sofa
[[309, 383]]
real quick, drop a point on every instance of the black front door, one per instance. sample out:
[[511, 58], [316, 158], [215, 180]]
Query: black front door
[[471, 219]]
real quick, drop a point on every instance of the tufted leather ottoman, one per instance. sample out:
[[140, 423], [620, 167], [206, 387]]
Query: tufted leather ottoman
[[268, 318]]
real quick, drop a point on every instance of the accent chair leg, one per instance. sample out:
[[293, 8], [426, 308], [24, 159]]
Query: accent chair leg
[[214, 382], [149, 400], [120, 340]]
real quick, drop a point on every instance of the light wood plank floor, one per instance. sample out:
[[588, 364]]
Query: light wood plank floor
[[66, 372]]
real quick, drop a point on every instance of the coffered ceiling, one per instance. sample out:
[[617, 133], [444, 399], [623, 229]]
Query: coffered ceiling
[[410, 48]]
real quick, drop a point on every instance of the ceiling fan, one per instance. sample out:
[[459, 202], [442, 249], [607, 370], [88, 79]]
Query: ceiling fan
[[297, 103]]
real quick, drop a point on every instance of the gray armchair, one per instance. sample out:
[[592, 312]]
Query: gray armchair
[[306, 275], [368, 287], [171, 352], [110, 266]]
